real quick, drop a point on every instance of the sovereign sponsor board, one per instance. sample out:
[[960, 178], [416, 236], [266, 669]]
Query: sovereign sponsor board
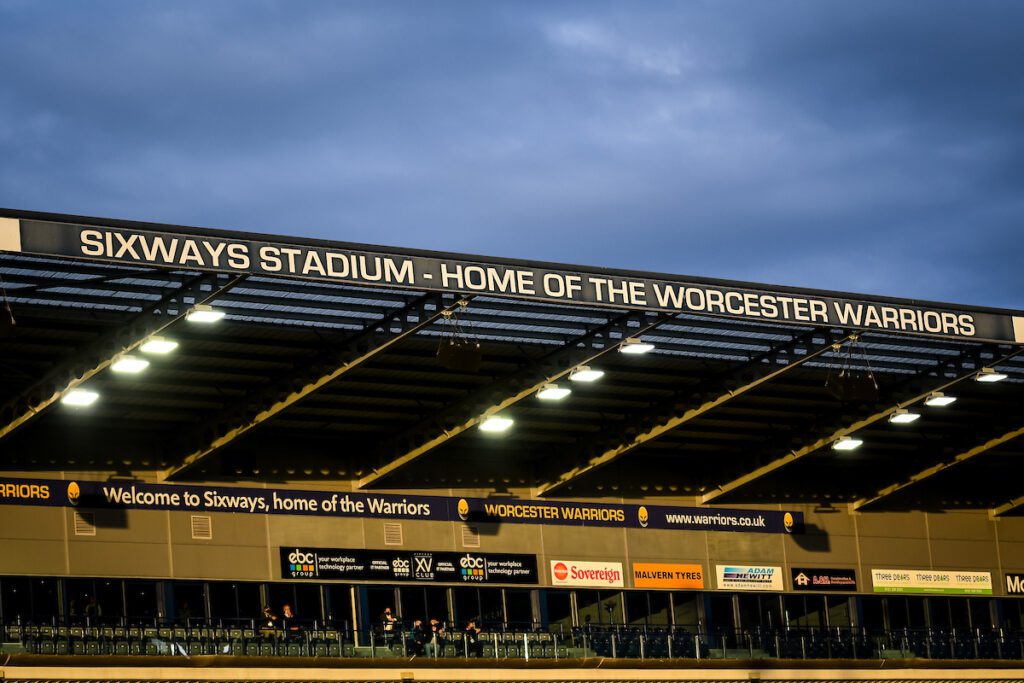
[[420, 565], [1015, 584], [361, 265], [745, 577], [134, 495], [667, 575], [806, 579], [931, 581], [592, 574]]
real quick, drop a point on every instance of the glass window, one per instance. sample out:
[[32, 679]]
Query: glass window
[[189, 601], [16, 598], [45, 600], [141, 599], [82, 598], [279, 595], [223, 600], [637, 609], [377, 599], [466, 602], [519, 604], [839, 613], [659, 608], [588, 605], [338, 607], [558, 607], [492, 610], [981, 613], [804, 611], [758, 611], [110, 596], [1013, 614], [414, 606], [307, 605], [720, 614], [872, 613], [249, 601], [685, 610]]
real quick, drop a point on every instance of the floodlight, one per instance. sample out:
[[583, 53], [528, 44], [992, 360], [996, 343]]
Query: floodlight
[[585, 373], [158, 345], [635, 346], [79, 397], [937, 399], [846, 443], [495, 424], [553, 392], [203, 313], [129, 365], [989, 375], [903, 417]]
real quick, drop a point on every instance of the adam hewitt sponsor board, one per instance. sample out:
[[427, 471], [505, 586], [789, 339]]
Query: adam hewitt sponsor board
[[596, 574], [658, 575], [742, 577]]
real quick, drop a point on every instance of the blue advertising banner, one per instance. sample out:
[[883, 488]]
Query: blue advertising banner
[[133, 495]]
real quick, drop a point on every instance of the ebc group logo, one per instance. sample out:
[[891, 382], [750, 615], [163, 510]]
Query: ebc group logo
[[473, 567], [302, 564], [401, 567]]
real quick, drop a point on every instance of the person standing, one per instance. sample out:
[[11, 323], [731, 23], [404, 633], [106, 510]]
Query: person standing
[[388, 622], [474, 648]]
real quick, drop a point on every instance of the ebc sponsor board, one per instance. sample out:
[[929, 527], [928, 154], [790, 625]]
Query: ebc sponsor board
[[128, 495], [592, 574], [931, 581], [667, 575], [425, 566], [805, 579], [356, 264], [745, 577], [1015, 584]]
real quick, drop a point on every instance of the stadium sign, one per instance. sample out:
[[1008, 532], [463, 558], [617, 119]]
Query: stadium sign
[[407, 566], [587, 574], [667, 575], [805, 579], [244, 253], [133, 495], [749, 578], [931, 581], [1015, 584]]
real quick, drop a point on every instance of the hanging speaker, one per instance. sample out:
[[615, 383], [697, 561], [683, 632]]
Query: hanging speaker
[[459, 355]]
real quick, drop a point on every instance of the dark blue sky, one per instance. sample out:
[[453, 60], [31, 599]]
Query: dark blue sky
[[875, 147]]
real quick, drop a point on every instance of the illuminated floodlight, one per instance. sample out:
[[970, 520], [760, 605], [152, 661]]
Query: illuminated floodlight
[[937, 399], [495, 424], [79, 398], [635, 346], [129, 365], [553, 392], [903, 417], [989, 375], [158, 345], [203, 313], [846, 443], [585, 373]]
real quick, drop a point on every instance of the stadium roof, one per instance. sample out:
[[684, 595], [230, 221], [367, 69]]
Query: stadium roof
[[326, 368]]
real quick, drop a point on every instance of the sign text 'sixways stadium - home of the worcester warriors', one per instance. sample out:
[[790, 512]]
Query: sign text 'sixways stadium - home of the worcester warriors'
[[356, 264]]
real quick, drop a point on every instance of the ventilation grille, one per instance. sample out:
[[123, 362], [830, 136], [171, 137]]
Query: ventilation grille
[[392, 533], [85, 524], [470, 537], [202, 527]]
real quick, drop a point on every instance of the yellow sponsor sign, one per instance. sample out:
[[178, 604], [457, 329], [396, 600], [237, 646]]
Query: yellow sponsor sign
[[667, 575]]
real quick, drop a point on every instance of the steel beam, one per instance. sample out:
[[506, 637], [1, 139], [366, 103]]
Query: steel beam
[[724, 389], [441, 428], [97, 356], [805, 450], [961, 457], [371, 341]]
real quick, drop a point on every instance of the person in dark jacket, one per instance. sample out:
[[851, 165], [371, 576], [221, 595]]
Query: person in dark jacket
[[474, 648]]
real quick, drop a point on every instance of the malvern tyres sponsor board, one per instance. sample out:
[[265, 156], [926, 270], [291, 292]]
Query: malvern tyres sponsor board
[[744, 577], [132, 495], [667, 575], [388, 565], [593, 574], [931, 581], [805, 579]]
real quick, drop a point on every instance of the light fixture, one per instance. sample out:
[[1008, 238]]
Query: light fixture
[[634, 345], [553, 392], [129, 365], [160, 345], [495, 424], [903, 417], [202, 313], [937, 399], [585, 373], [989, 375], [846, 443], [79, 397]]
